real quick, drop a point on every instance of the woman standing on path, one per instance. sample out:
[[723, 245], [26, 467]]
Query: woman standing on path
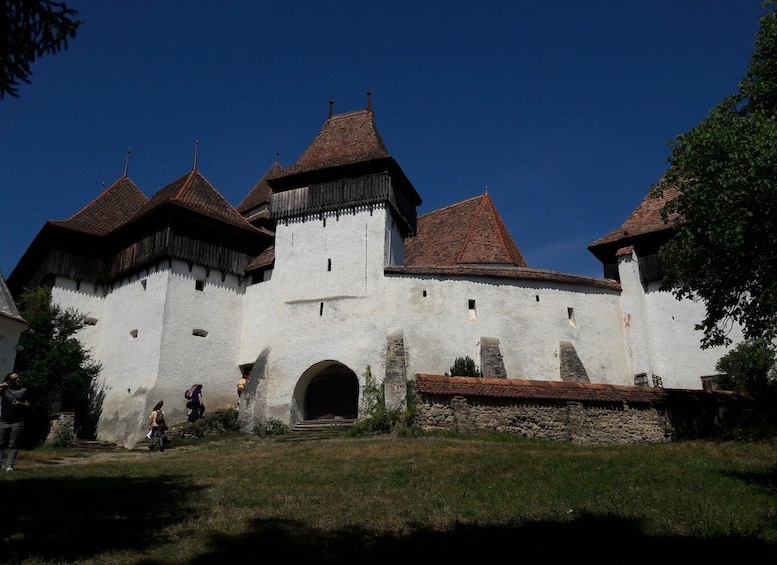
[[158, 427]]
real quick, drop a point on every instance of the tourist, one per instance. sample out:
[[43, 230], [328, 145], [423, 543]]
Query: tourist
[[13, 411], [158, 427], [195, 404]]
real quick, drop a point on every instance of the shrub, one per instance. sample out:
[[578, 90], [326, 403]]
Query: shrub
[[464, 367], [64, 437], [749, 368], [377, 417], [271, 427]]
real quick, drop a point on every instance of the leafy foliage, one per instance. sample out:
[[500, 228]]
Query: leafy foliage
[[272, 427], [749, 368], [64, 437], [53, 363], [464, 367], [725, 216], [28, 30], [377, 417]]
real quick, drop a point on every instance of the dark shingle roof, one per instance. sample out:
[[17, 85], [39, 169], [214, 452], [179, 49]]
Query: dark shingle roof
[[345, 139], [261, 193], [113, 208], [467, 233], [194, 192]]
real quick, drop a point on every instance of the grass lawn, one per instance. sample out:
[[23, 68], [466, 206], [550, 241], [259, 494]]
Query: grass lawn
[[384, 499]]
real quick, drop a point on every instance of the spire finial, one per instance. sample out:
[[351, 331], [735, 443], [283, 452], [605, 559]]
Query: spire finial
[[196, 147], [277, 154], [126, 162], [486, 189], [331, 106], [369, 100]]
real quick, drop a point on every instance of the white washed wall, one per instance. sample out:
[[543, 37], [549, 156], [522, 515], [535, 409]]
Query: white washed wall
[[10, 330], [680, 360], [361, 308], [188, 359]]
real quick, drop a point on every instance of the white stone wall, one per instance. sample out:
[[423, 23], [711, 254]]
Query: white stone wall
[[660, 333], [306, 314], [528, 318], [10, 331], [680, 360]]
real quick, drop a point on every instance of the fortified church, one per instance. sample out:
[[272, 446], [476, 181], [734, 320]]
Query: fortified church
[[324, 272]]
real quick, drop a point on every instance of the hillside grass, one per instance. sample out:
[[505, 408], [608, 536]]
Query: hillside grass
[[385, 499]]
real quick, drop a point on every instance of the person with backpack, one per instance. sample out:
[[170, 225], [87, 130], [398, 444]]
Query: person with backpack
[[158, 427], [195, 404]]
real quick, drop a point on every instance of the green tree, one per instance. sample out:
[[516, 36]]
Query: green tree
[[464, 367], [750, 368], [28, 30], [724, 251], [52, 362]]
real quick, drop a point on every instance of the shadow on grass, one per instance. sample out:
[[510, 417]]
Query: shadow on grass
[[62, 520], [66, 519], [596, 536]]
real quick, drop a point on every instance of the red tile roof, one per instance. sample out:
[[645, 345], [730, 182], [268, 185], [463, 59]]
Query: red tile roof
[[194, 192], [113, 208], [515, 273], [467, 233], [645, 219], [545, 390], [265, 259], [261, 193], [345, 139]]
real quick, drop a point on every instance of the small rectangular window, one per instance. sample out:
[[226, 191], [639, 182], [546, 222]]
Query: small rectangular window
[[328, 264], [424, 294], [571, 316], [199, 284], [321, 309], [641, 379], [143, 284], [708, 383], [473, 315], [199, 333], [89, 321]]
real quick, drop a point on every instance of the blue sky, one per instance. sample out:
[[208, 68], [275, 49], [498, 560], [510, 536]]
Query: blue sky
[[562, 109]]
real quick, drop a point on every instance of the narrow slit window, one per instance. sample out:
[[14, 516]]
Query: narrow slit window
[[199, 332], [328, 264], [424, 294], [537, 298], [321, 309], [473, 315], [199, 284], [571, 316], [143, 284]]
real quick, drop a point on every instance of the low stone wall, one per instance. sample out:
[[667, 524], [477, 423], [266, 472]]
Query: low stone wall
[[572, 421]]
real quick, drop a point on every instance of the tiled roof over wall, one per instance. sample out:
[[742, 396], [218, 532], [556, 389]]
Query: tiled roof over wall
[[261, 193], [515, 273], [113, 208], [194, 192], [548, 390], [345, 139], [645, 219], [467, 233]]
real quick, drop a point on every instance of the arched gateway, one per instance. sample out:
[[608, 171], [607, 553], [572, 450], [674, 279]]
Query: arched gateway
[[331, 392]]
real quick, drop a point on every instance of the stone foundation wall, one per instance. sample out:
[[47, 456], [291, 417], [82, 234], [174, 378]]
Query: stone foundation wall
[[575, 422]]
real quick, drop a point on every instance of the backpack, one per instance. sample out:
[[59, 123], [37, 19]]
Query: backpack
[[160, 418]]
